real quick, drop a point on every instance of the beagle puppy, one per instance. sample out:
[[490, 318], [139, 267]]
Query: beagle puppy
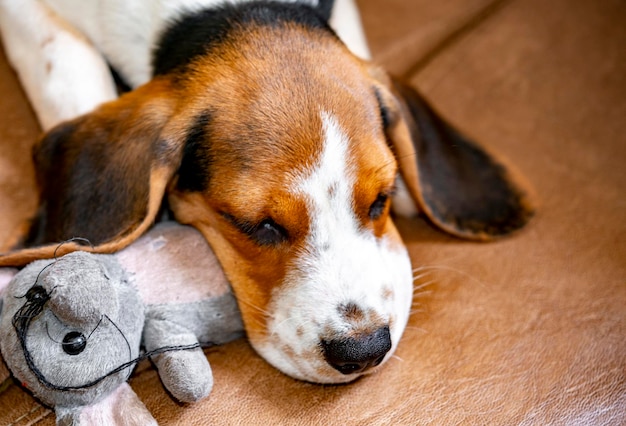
[[263, 125]]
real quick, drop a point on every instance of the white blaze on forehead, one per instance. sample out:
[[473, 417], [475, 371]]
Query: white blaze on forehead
[[328, 188]]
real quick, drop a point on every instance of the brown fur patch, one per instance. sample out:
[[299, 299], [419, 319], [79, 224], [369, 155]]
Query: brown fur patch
[[387, 294], [351, 313]]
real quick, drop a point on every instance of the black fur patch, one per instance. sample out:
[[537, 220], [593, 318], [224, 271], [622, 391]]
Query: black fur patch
[[121, 84], [325, 8], [195, 169], [196, 33], [84, 193], [47, 154]]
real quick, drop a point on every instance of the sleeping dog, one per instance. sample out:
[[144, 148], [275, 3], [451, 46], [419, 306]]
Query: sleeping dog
[[265, 126]]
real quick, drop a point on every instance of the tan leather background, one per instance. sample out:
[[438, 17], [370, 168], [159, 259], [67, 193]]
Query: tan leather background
[[527, 330]]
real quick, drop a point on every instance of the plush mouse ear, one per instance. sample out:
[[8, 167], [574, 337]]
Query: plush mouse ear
[[102, 176], [460, 187]]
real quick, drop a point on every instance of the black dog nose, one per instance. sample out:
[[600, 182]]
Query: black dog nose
[[356, 354]]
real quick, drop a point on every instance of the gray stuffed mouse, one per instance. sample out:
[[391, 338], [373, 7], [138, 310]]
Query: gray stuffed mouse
[[71, 329]]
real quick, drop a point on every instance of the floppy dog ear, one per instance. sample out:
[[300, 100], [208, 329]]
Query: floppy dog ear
[[102, 176], [458, 185]]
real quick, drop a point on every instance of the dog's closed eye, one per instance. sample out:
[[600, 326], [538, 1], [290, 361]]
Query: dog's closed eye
[[378, 206], [269, 233], [265, 233]]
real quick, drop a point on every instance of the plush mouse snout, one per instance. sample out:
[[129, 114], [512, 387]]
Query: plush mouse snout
[[80, 289]]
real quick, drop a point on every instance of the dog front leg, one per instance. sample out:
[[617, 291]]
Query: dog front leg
[[61, 71]]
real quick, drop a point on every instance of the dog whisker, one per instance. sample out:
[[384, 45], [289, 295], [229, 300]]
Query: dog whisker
[[419, 277], [396, 357], [421, 330], [421, 294], [421, 272], [423, 285], [445, 268], [266, 313], [425, 268]]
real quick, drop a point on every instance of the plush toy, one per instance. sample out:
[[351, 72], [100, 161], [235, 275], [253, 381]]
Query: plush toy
[[72, 329]]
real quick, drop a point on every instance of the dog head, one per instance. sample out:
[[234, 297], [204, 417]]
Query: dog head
[[283, 149]]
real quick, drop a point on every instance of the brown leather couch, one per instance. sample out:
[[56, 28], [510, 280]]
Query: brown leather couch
[[527, 330]]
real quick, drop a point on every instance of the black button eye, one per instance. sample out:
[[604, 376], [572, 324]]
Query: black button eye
[[37, 294], [378, 206], [74, 343], [269, 233]]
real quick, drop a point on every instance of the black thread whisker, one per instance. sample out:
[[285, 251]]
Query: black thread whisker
[[50, 337], [130, 351], [96, 327], [126, 365], [37, 279], [43, 269], [24, 316], [71, 240]]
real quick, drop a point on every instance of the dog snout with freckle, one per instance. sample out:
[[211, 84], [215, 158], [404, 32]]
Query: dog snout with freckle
[[357, 354]]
